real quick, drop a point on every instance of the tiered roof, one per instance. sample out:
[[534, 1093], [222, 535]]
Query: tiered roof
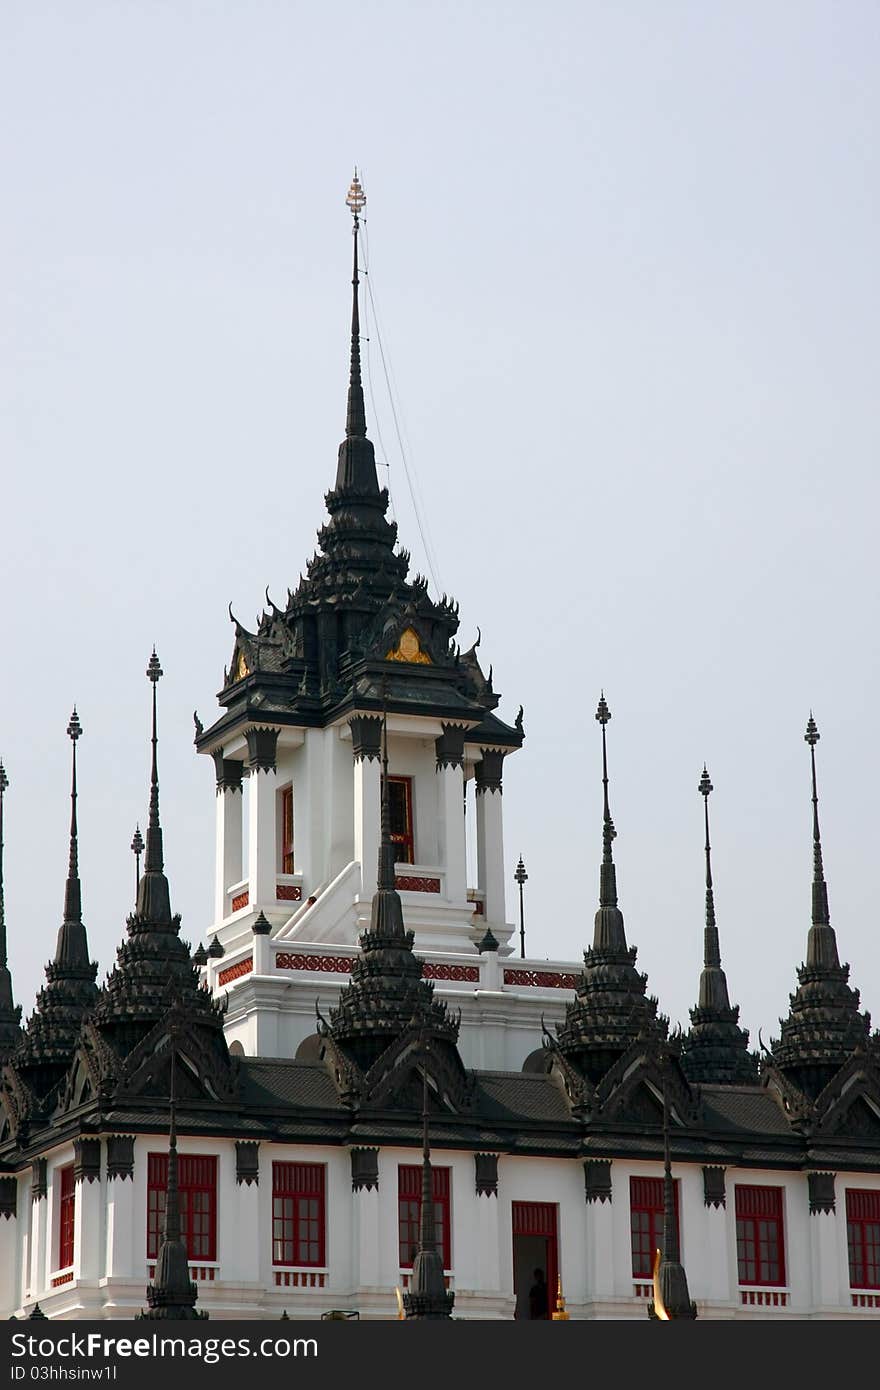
[[824, 1024], [611, 1010], [70, 993]]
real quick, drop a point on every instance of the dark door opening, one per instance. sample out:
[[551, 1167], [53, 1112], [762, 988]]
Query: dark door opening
[[535, 1259]]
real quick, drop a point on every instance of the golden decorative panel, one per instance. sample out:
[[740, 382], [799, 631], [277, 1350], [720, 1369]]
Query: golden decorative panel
[[409, 648]]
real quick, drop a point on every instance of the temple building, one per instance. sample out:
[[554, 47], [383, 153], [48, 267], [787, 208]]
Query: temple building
[[354, 1095]]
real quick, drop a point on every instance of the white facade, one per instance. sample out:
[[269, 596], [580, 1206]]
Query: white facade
[[318, 911], [110, 1268]]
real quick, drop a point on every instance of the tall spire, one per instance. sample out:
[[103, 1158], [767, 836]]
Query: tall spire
[[671, 1297], [610, 1009], [153, 901], [356, 480], [172, 1294], [355, 419], [716, 1048], [609, 930], [10, 1013], [824, 1024], [427, 1297], [821, 941], [70, 992], [72, 946]]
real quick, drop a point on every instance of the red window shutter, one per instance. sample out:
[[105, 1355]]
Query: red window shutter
[[287, 830], [409, 1211], [760, 1243], [863, 1238], [646, 1202], [67, 1193], [298, 1214], [197, 1187]]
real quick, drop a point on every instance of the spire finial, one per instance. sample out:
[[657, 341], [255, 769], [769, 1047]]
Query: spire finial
[[820, 888], [137, 849], [356, 420], [154, 860], [608, 885], [712, 952], [153, 899], [73, 892]]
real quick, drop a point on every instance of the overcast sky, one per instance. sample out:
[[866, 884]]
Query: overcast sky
[[625, 262]]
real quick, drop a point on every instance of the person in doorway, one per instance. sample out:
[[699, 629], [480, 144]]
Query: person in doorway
[[538, 1296]]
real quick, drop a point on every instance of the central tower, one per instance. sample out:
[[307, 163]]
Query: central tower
[[297, 747]]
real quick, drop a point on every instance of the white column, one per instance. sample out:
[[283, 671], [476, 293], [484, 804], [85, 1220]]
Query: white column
[[239, 1247], [367, 820], [488, 1244], [11, 1244], [490, 852], [450, 820], [262, 810], [88, 1233], [600, 1248], [365, 1229], [39, 1225], [825, 1261], [228, 859], [121, 1243]]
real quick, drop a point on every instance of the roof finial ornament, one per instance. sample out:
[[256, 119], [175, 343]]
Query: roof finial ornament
[[356, 420], [137, 849], [73, 892], [712, 952], [608, 888], [820, 888], [153, 901]]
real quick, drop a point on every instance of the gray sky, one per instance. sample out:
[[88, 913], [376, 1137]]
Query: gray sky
[[625, 262]]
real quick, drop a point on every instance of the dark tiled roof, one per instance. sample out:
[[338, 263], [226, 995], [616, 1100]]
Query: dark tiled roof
[[521, 1095], [748, 1108], [277, 1082]]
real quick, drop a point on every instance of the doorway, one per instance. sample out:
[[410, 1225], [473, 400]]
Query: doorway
[[534, 1248]]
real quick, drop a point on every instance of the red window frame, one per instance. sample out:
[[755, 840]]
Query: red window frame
[[863, 1238], [197, 1189], [67, 1211], [646, 1217], [299, 1214], [287, 830], [760, 1240], [401, 824], [409, 1211]]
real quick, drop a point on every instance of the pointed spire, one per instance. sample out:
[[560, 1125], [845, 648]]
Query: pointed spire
[[821, 942], [72, 947], [355, 419], [137, 849], [671, 1297], [824, 1024], [10, 1013], [716, 1048], [154, 901], [713, 982], [609, 930], [427, 1297], [172, 1294], [356, 468]]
